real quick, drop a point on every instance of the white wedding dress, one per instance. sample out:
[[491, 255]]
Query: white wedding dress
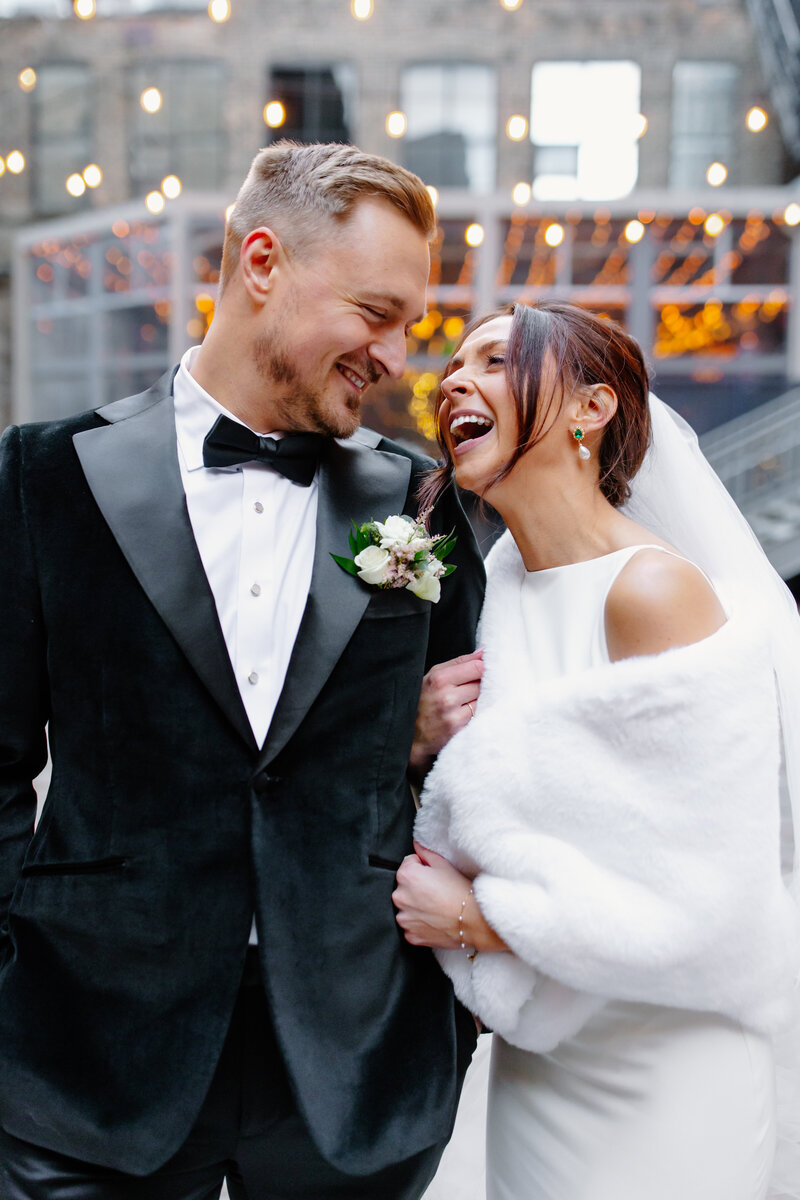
[[644, 1102]]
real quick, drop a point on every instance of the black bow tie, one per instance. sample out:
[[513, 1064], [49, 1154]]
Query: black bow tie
[[295, 455]]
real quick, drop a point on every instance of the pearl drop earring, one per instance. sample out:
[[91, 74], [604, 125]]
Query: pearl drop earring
[[583, 451]]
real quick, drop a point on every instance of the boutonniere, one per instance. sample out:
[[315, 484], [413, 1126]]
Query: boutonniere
[[400, 553]]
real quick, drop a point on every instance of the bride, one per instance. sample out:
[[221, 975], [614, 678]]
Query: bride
[[598, 852]]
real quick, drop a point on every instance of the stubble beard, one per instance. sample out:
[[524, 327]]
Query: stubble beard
[[299, 407]]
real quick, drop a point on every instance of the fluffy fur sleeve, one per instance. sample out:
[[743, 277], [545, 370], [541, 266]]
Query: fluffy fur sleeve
[[622, 828]]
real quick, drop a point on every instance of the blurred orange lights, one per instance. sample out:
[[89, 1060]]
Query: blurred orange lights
[[85, 9], [511, 5], [474, 234], [171, 186], [521, 193], [219, 10], [75, 185], [92, 175], [396, 124], [362, 10], [714, 224], [151, 100], [791, 214], [27, 79], [554, 234], [15, 161], [155, 202], [274, 114], [716, 174], [634, 231], [517, 128], [756, 119]]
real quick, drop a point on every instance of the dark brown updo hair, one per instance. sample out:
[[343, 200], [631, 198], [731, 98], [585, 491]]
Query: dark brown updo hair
[[576, 349]]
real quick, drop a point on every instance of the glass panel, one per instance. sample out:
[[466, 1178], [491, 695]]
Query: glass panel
[[590, 108], [186, 137], [62, 133], [704, 108], [59, 340], [59, 396], [452, 117], [318, 102]]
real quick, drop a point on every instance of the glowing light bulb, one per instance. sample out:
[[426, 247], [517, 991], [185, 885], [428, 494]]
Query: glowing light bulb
[[2, 165], [362, 9], [474, 234], [171, 186], [151, 100], [756, 119], [75, 185], [521, 193], [85, 9], [15, 161], [155, 202], [791, 214], [219, 10], [396, 124], [716, 174], [516, 127], [634, 231], [274, 114], [554, 234], [714, 224], [27, 79], [92, 175], [511, 5]]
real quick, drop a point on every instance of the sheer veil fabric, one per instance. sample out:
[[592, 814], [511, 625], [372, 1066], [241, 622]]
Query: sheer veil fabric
[[677, 496]]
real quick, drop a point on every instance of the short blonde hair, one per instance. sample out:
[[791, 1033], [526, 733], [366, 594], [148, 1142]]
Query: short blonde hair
[[294, 189]]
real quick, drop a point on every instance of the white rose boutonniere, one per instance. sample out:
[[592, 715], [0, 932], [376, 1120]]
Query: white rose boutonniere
[[399, 552]]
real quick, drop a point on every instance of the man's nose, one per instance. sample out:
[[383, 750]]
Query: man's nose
[[390, 353]]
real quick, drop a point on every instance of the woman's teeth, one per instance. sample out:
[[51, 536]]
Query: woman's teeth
[[470, 426]]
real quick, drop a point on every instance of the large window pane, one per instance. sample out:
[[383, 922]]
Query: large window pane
[[703, 112], [62, 133], [452, 119], [584, 129], [318, 102], [186, 136]]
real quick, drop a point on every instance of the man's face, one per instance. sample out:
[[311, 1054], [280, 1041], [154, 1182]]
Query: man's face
[[338, 318]]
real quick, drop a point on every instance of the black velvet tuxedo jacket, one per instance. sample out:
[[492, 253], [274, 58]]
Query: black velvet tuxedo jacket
[[124, 918]]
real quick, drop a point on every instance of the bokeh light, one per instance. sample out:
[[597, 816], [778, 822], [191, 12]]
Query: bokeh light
[[521, 193], [274, 114], [716, 174], [171, 186], [75, 185], [474, 234], [517, 127], [396, 124], [15, 161], [92, 175], [155, 202], [756, 119], [151, 100], [27, 79], [554, 234]]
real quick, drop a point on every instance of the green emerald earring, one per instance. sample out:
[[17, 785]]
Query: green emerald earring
[[583, 451]]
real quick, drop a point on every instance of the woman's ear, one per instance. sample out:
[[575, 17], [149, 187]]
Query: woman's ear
[[259, 257], [594, 406]]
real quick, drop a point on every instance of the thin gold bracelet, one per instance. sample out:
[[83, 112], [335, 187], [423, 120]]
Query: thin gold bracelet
[[470, 951]]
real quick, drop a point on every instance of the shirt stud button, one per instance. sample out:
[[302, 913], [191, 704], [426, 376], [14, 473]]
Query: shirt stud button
[[256, 589], [253, 678], [258, 506]]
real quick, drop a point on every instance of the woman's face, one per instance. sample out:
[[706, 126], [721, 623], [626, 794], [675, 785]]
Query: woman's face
[[478, 416]]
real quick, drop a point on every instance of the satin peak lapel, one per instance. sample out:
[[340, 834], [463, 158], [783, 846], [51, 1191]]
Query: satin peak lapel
[[131, 466], [357, 483]]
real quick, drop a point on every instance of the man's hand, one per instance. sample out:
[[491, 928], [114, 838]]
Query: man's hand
[[448, 691]]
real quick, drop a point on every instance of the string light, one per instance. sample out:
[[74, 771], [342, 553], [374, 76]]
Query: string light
[[756, 119], [714, 225], [521, 193], [27, 79], [511, 5], [151, 100], [716, 174], [274, 114], [554, 234], [15, 161], [85, 9], [516, 127], [75, 185], [791, 214], [92, 175], [171, 186], [219, 10], [2, 165], [155, 202], [396, 124], [361, 9], [634, 232], [474, 234]]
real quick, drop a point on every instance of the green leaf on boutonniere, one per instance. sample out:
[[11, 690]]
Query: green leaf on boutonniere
[[443, 548], [347, 563], [448, 570]]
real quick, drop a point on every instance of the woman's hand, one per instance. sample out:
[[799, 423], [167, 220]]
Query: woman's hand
[[429, 897]]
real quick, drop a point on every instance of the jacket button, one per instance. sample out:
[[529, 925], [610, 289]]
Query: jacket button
[[264, 782]]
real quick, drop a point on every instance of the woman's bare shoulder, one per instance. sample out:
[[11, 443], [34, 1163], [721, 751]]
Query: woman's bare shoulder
[[658, 601]]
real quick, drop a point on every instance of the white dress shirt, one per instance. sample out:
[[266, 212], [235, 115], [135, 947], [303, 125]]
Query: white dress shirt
[[256, 532]]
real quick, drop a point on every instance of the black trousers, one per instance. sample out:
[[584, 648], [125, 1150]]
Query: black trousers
[[249, 1133]]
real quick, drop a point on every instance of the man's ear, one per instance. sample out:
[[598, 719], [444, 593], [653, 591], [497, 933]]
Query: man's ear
[[594, 406], [259, 258]]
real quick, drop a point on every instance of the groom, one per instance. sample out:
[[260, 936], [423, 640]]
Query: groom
[[200, 971]]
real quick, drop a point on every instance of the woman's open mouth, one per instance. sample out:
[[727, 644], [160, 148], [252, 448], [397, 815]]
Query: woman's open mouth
[[467, 430]]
